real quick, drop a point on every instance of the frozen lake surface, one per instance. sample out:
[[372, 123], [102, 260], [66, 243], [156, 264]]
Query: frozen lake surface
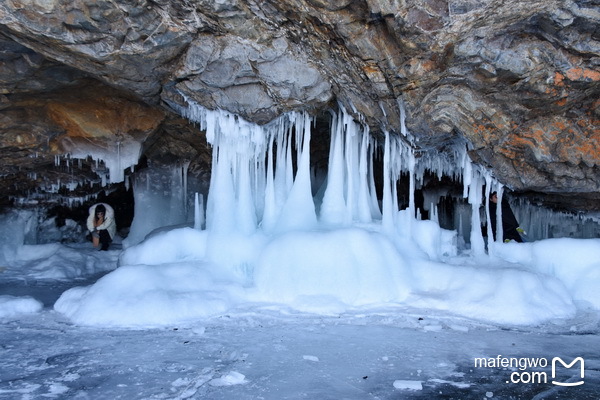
[[258, 352]]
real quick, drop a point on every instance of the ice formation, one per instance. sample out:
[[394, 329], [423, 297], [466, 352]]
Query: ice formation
[[116, 159], [270, 233], [160, 201], [262, 176]]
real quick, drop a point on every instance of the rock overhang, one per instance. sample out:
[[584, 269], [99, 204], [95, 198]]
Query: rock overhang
[[517, 83]]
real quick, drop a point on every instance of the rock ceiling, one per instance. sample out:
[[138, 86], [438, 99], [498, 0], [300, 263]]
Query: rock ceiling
[[518, 82]]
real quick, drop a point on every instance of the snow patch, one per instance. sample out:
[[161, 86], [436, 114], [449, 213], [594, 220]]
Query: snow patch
[[311, 358], [11, 305], [232, 378], [408, 385]]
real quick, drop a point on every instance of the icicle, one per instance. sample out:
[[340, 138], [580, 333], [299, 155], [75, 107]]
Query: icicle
[[412, 188], [433, 214], [347, 196], [288, 164], [363, 198], [198, 211], [387, 220], [350, 174], [176, 210], [259, 182], [467, 174], [282, 181], [499, 227], [475, 192], [221, 197], [184, 173], [374, 202], [119, 167], [490, 237], [299, 210], [245, 210], [395, 170], [403, 129], [382, 108], [269, 211], [333, 207]]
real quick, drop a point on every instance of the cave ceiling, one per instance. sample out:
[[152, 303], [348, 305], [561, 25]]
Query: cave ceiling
[[515, 82]]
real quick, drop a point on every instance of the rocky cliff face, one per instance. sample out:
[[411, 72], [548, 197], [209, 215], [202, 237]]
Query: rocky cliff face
[[516, 82]]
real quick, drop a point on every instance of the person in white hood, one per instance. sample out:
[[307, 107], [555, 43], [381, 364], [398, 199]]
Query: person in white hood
[[101, 224]]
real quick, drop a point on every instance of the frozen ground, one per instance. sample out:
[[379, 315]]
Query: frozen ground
[[263, 355], [269, 351]]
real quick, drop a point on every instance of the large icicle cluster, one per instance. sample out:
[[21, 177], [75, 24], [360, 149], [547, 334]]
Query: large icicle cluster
[[261, 175], [350, 193], [253, 181], [116, 158]]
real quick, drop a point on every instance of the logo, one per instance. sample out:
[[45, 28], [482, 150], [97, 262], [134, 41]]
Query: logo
[[582, 371], [531, 370]]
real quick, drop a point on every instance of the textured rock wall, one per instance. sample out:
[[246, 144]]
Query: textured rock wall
[[516, 82]]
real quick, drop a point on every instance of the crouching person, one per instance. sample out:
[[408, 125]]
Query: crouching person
[[101, 224]]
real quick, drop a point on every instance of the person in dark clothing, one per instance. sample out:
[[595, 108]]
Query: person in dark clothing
[[101, 224], [510, 225]]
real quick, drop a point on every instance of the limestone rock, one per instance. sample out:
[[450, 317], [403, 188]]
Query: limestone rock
[[515, 82]]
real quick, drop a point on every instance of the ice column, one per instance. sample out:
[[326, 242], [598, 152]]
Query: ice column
[[373, 201], [412, 187], [333, 208], [491, 185], [198, 211], [245, 187], [298, 211], [473, 189], [230, 204], [280, 178], [350, 194], [270, 205], [365, 197], [158, 193], [184, 174], [387, 219], [499, 227]]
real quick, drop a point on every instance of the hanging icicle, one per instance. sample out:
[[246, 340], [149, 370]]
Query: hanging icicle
[[298, 212], [184, 173], [333, 207], [261, 176], [349, 196], [237, 180], [389, 182], [198, 211]]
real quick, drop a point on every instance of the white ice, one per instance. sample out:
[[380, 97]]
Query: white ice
[[282, 284], [338, 259]]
